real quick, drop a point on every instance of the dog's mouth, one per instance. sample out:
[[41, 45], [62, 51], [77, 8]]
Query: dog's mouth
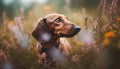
[[71, 34]]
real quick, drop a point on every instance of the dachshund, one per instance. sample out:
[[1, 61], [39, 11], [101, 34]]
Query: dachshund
[[50, 32]]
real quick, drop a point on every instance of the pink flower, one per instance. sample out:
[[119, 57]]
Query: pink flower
[[3, 57], [75, 58]]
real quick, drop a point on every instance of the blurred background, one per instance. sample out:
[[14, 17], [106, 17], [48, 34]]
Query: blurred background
[[97, 45]]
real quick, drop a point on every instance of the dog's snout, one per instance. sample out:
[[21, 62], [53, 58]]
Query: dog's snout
[[77, 28]]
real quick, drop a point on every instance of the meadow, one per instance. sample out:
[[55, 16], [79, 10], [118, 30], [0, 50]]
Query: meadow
[[96, 46]]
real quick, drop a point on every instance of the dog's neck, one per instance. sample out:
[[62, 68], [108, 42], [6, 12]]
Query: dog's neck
[[54, 41]]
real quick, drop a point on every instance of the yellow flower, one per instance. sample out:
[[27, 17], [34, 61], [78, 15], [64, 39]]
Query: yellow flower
[[118, 19], [78, 43], [10, 22], [106, 42], [110, 34], [47, 8]]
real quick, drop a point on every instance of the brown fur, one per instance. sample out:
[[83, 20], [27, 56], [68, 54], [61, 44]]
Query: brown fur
[[58, 27]]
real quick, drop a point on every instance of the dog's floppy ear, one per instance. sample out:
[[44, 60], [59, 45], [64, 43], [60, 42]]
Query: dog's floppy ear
[[40, 32], [35, 32]]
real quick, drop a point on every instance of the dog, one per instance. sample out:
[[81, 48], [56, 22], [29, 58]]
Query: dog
[[50, 32]]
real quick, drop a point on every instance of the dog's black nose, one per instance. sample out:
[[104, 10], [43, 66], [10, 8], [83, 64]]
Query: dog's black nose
[[77, 28]]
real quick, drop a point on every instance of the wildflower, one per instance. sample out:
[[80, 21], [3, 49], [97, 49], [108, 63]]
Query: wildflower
[[87, 36], [47, 8], [7, 44], [118, 19], [106, 41], [3, 57], [102, 6], [43, 56], [10, 23], [110, 34], [78, 43], [19, 33], [67, 2], [39, 61], [75, 58], [112, 11]]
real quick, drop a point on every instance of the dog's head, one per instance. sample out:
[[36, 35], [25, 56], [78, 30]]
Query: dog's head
[[54, 24]]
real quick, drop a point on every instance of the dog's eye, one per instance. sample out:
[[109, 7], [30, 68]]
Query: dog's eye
[[58, 20]]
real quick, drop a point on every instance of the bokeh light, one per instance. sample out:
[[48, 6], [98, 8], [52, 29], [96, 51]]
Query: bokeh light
[[7, 2]]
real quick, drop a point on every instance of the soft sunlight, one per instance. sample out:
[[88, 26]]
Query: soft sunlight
[[31, 38], [41, 1], [26, 2], [30, 1], [7, 2]]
